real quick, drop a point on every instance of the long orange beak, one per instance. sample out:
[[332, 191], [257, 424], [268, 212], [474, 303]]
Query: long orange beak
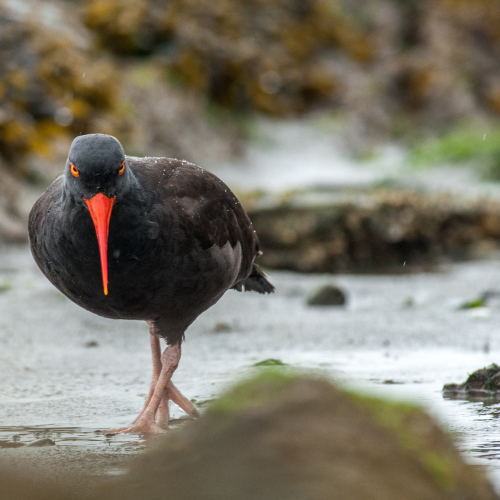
[[100, 207]]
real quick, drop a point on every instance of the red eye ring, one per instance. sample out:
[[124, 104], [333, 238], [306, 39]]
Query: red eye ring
[[122, 168], [74, 170]]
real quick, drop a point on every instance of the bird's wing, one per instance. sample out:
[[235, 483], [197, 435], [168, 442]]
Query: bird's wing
[[204, 206]]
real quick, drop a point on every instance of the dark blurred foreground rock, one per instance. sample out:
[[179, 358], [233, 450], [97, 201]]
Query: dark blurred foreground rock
[[482, 383], [372, 230], [17, 487], [280, 436]]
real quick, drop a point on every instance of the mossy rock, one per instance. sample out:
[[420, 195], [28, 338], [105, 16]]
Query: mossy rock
[[53, 84], [391, 230], [481, 384], [271, 56], [388, 65], [282, 436]]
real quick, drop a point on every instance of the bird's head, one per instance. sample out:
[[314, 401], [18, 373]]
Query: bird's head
[[96, 173]]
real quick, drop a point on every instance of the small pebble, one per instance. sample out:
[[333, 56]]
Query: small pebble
[[221, 327], [327, 295], [270, 362]]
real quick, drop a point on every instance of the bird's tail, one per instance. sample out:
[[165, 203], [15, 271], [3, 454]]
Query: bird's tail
[[256, 282]]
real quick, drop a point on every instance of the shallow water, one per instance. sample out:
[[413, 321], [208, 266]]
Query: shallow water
[[71, 436], [63, 436], [65, 373]]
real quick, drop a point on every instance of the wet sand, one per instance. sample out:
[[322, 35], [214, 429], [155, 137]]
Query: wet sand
[[65, 373]]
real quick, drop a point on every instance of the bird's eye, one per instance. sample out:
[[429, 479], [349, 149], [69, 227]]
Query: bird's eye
[[74, 170], [122, 168]]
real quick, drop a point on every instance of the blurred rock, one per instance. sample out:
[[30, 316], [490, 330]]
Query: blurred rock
[[221, 327], [12, 229], [24, 487], [280, 437], [269, 362], [53, 86], [55, 83], [166, 120], [272, 56], [374, 230], [327, 295], [52, 81], [392, 67]]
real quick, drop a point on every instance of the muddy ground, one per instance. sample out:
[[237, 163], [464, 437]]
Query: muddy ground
[[65, 373]]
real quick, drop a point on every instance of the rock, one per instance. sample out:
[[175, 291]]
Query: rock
[[221, 327], [281, 436], [53, 86], [483, 383], [271, 56], [56, 83], [382, 230], [53, 83], [270, 362], [42, 442], [282, 57], [16, 486], [327, 295]]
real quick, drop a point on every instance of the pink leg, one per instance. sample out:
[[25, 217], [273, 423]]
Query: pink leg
[[146, 423], [156, 354], [173, 394], [160, 392], [181, 401]]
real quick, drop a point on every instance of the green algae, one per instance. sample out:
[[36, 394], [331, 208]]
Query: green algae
[[270, 362], [264, 388], [473, 304], [397, 417]]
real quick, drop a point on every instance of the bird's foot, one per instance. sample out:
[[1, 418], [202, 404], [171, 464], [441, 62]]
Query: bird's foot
[[141, 427], [114, 431], [145, 428], [173, 394]]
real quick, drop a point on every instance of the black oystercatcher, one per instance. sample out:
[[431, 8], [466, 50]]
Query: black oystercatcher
[[171, 239]]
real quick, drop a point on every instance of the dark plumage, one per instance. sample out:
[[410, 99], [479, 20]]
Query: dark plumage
[[178, 238]]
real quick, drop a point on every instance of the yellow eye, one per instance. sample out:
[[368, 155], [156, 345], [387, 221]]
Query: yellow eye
[[74, 170], [122, 168]]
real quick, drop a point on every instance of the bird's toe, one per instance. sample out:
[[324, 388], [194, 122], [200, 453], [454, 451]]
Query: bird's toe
[[110, 432], [145, 428]]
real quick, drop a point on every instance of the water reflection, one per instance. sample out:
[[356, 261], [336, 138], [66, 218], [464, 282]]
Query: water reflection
[[65, 436], [16, 437]]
